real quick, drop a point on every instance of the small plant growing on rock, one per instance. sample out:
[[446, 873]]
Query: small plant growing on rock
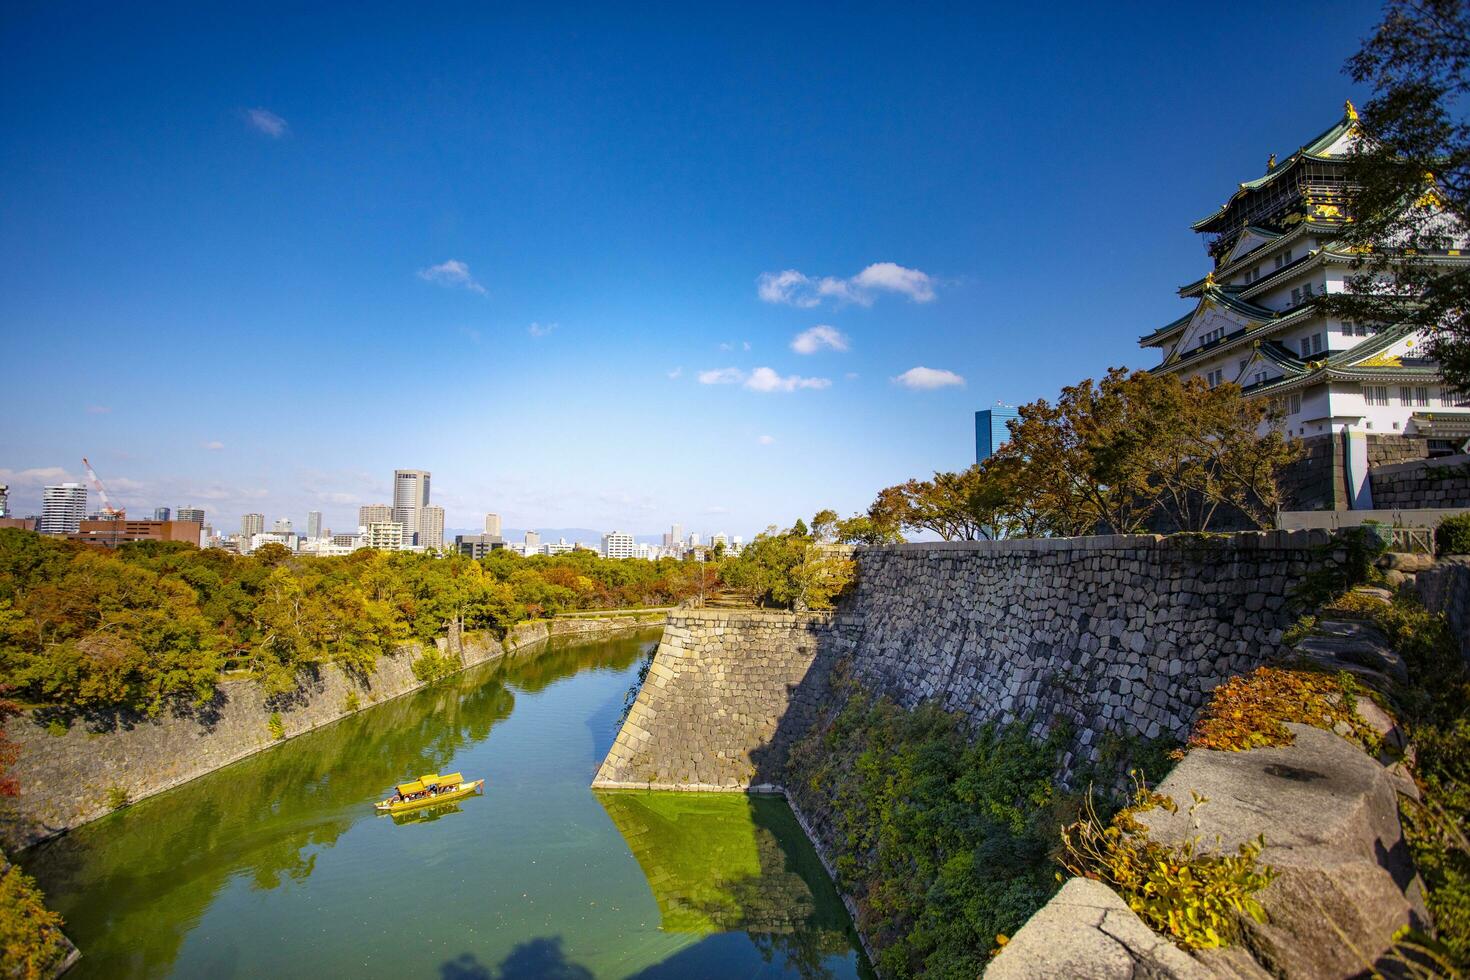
[[276, 727], [117, 798], [1251, 711], [57, 727], [1196, 898], [350, 703]]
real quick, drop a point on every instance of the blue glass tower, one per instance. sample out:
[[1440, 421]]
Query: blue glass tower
[[990, 430]]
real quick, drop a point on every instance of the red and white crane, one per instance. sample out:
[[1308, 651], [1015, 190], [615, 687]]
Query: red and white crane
[[108, 511]]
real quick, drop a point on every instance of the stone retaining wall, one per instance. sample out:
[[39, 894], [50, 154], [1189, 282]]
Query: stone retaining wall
[[1121, 635], [1422, 483], [1445, 588], [66, 778]]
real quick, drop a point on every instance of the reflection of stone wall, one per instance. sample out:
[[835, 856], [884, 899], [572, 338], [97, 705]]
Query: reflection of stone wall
[[1122, 635], [723, 862], [65, 779]]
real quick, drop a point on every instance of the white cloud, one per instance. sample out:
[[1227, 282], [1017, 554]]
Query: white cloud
[[745, 345], [914, 284], [765, 379], [851, 376], [214, 445], [924, 379], [766, 440], [452, 273], [819, 337], [541, 329], [98, 409], [762, 379], [267, 122], [795, 288], [675, 374], [33, 478], [721, 376]]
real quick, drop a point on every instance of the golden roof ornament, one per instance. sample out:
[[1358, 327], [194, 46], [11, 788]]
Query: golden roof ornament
[[1210, 279], [1351, 110], [1271, 163]]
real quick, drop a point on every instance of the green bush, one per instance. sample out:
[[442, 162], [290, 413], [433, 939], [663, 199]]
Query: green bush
[[1452, 536], [276, 727], [944, 839], [117, 798], [31, 941]]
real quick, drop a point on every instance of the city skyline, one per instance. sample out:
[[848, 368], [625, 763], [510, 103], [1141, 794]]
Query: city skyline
[[704, 270]]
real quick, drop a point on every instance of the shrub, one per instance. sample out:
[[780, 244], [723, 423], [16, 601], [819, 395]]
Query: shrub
[[1195, 897], [117, 798], [942, 836], [434, 665], [31, 942], [351, 703], [275, 726], [57, 727], [1452, 536], [1251, 711]]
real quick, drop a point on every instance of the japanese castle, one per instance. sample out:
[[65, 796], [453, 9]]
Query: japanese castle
[[1359, 393]]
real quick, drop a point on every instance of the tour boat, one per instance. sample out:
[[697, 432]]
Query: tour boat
[[429, 790]]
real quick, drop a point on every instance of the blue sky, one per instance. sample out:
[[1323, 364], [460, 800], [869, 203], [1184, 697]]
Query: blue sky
[[256, 260]]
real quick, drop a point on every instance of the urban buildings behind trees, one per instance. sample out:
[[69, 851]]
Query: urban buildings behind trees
[[991, 430], [63, 508]]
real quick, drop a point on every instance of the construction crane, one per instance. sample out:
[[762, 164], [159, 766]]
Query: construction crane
[[108, 511]]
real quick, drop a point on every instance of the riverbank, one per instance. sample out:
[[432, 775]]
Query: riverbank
[[71, 775]]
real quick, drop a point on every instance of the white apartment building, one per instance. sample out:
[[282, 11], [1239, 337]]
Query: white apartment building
[[251, 525], [384, 536], [492, 525], [619, 544], [63, 507], [314, 524], [430, 527], [369, 514], [558, 547]]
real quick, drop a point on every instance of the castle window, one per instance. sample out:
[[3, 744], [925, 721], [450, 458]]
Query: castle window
[[1406, 396], [1421, 397], [1294, 404], [1316, 343], [1375, 395], [1296, 296]]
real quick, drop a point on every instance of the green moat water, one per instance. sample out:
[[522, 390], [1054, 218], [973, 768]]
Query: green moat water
[[277, 866]]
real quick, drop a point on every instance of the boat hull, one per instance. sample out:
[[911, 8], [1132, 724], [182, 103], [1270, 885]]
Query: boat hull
[[465, 789]]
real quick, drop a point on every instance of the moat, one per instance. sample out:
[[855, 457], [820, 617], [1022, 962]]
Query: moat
[[278, 866]]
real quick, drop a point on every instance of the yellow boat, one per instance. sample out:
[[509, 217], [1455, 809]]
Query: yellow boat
[[430, 790]]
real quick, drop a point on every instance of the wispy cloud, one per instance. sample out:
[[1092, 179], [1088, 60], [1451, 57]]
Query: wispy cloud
[[762, 379], [98, 409], [766, 440], [721, 376], [795, 288], [818, 338], [452, 273], [34, 478], [214, 445], [267, 122], [471, 334], [925, 379], [676, 374], [541, 329]]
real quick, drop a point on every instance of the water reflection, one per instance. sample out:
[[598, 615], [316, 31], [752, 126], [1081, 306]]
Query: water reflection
[[426, 815], [133, 885], [728, 863]]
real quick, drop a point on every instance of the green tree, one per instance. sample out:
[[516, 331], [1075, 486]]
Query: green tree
[[1410, 176]]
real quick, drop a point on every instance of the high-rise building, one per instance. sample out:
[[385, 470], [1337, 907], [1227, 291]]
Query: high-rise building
[[492, 525], [676, 535], [477, 546], [191, 514], [161, 513], [63, 507], [251, 525], [410, 495], [618, 544], [282, 525], [4, 500], [430, 527], [991, 431], [373, 514], [1346, 388], [384, 535], [533, 541], [314, 524]]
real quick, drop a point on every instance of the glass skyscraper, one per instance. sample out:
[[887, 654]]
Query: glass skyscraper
[[990, 430]]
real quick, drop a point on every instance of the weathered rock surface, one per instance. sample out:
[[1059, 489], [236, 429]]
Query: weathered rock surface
[[1086, 931]]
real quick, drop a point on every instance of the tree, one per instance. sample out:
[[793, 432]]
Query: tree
[[1410, 178]]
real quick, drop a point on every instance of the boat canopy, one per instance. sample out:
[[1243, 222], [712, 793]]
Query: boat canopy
[[416, 786], [453, 779], [430, 779]]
